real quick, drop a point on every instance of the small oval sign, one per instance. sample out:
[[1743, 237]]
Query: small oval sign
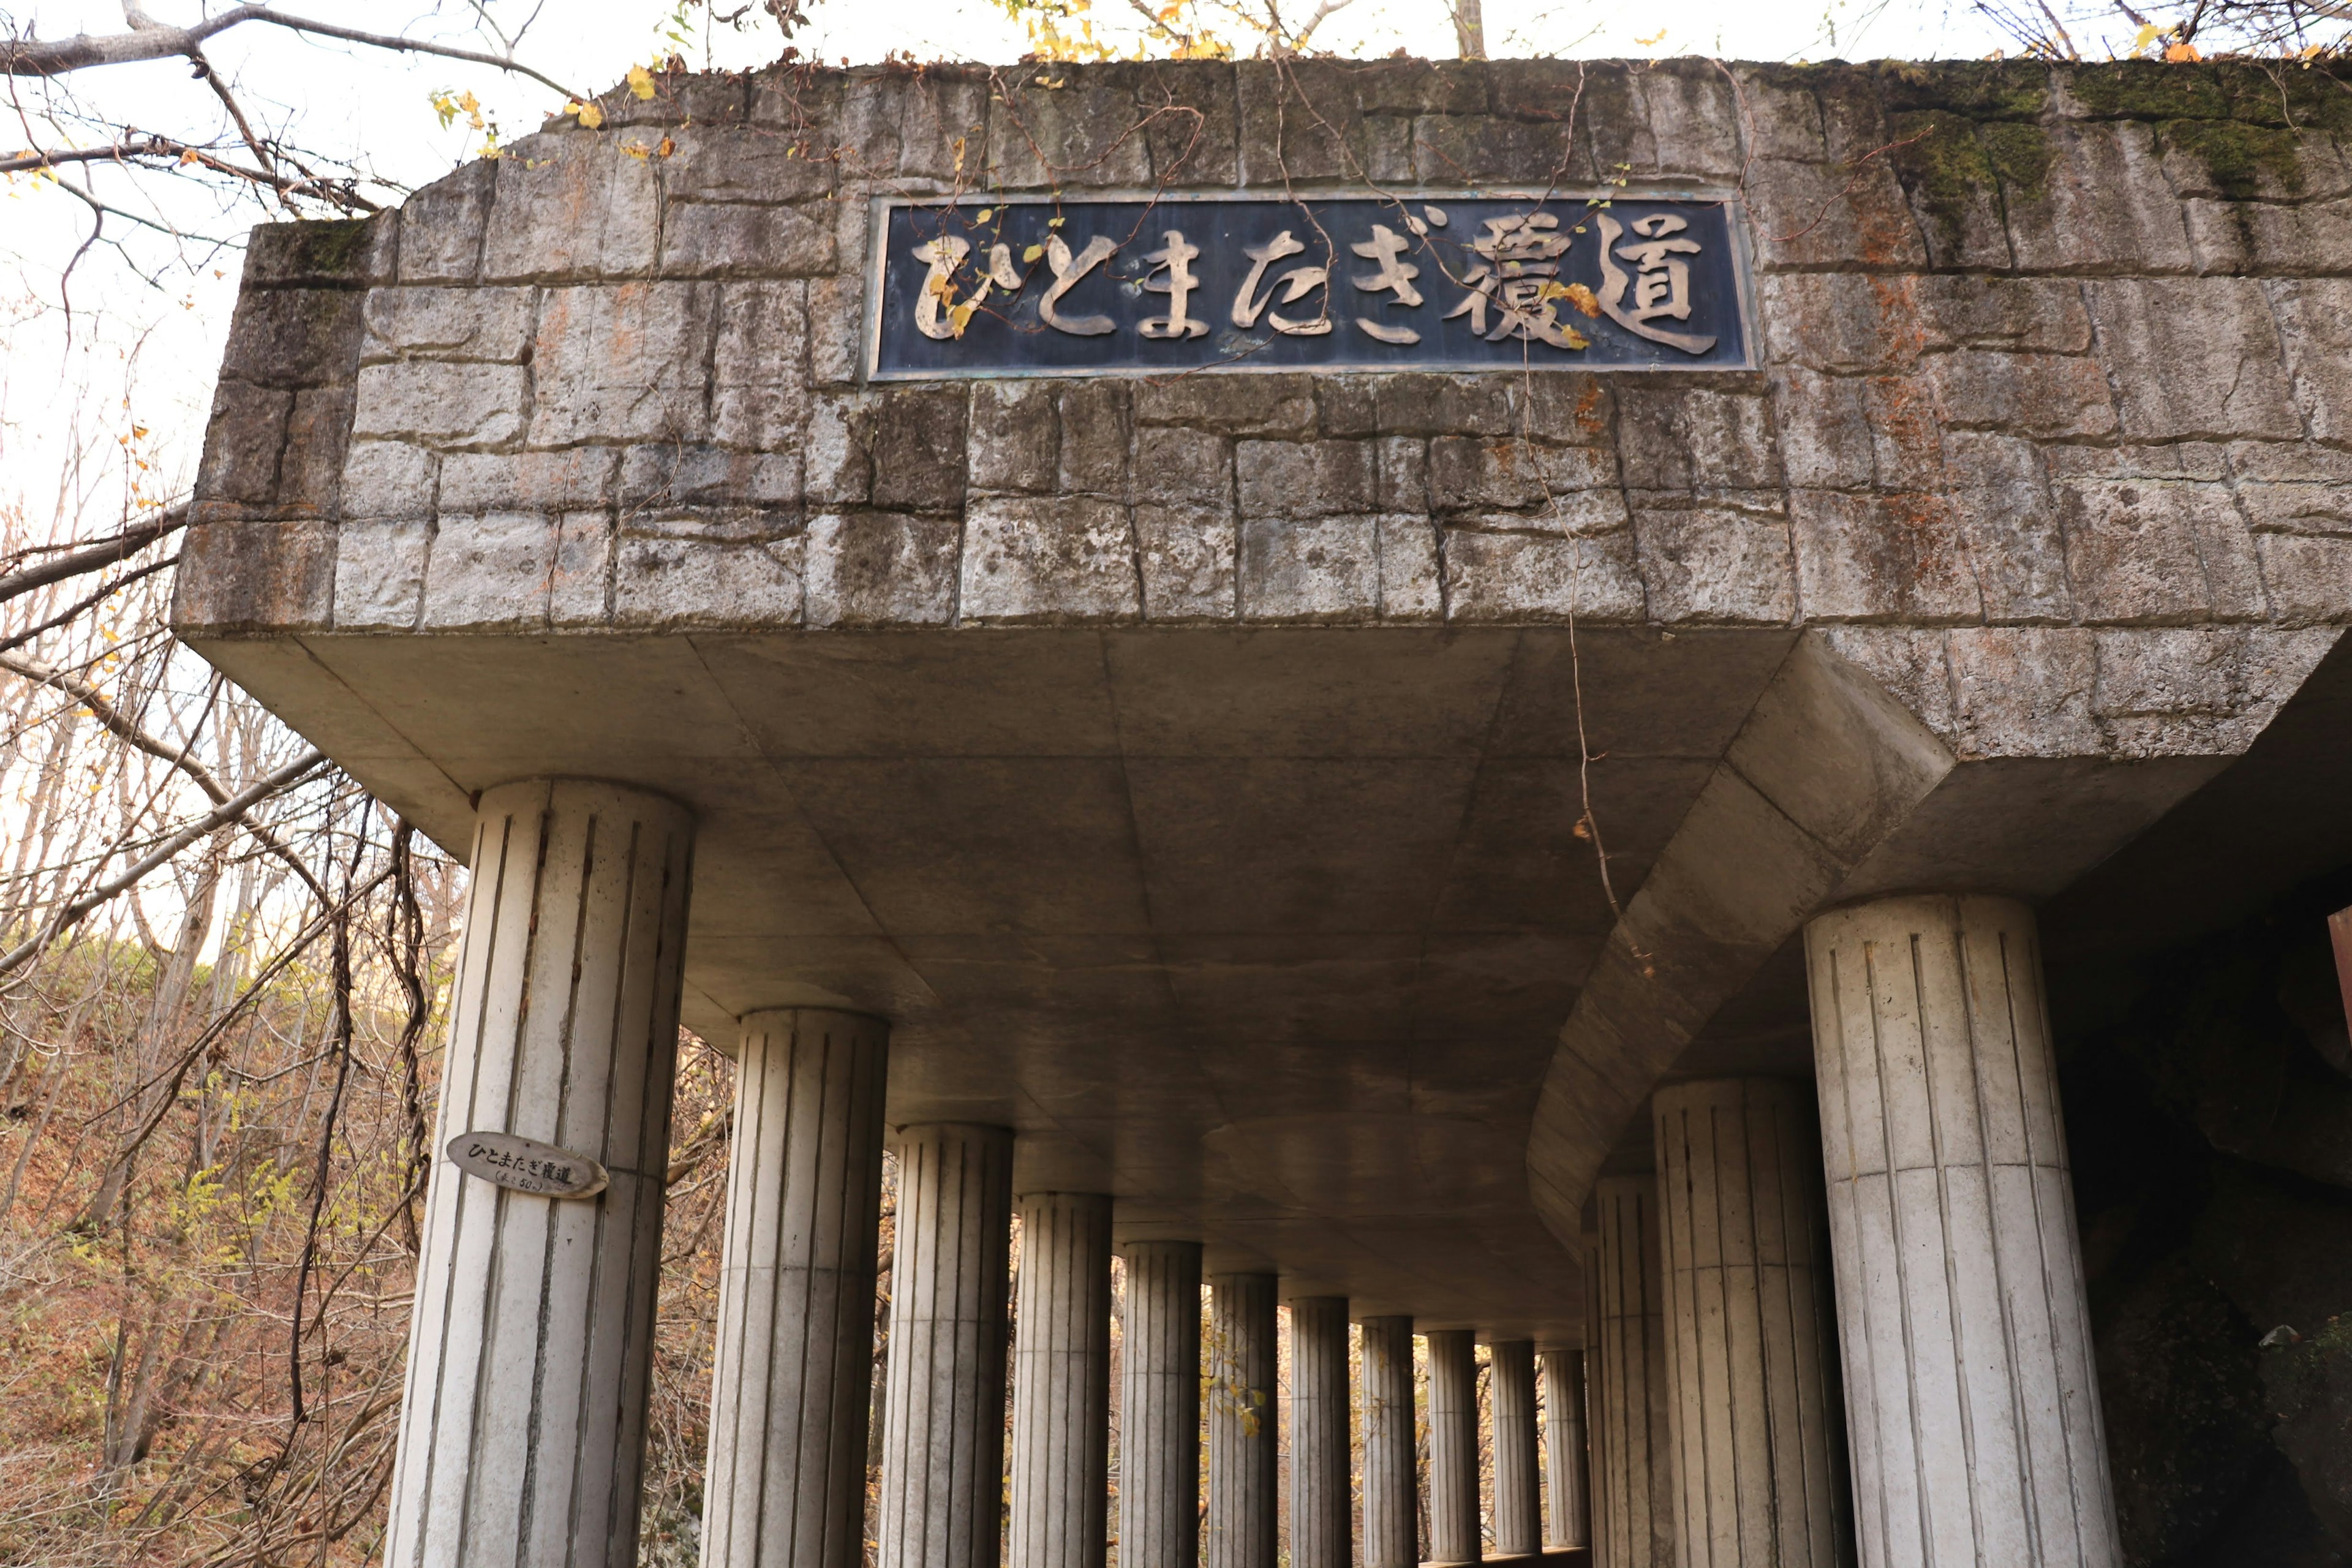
[[527, 1165]]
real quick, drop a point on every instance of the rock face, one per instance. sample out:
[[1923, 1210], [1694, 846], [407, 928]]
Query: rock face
[[2206, 1111], [2053, 379]]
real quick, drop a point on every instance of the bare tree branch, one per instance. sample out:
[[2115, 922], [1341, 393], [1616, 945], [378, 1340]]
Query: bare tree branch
[[130, 876], [153, 41], [90, 558], [245, 127], [88, 601], [120, 725], [137, 147]]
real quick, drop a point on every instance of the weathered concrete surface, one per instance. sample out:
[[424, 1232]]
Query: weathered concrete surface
[[2044, 350], [1241, 709]]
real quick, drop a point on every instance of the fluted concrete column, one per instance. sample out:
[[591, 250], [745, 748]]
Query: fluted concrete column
[[1632, 1492], [1567, 1527], [1322, 1500], [1244, 1440], [1160, 1407], [1519, 1495], [1061, 1383], [944, 1387], [1972, 1407], [1748, 1327], [1454, 1534], [522, 1426], [785, 1485], [1391, 1481]]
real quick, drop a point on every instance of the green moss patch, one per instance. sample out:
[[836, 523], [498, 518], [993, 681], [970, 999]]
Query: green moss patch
[[1980, 89], [2238, 156], [1953, 166], [2149, 90]]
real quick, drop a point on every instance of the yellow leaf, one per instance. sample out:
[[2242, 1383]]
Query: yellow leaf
[[588, 114], [2148, 35], [1576, 339], [959, 316], [641, 81], [2182, 53], [984, 215], [667, 148], [1582, 299], [636, 150], [1033, 253]]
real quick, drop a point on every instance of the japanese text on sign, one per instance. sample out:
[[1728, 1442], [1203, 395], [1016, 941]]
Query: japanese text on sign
[[976, 289], [527, 1165]]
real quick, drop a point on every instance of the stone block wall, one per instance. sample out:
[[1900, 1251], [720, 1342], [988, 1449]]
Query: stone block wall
[[2053, 426]]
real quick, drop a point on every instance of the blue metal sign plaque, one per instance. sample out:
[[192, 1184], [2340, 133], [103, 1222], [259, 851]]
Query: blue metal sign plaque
[[1166, 284]]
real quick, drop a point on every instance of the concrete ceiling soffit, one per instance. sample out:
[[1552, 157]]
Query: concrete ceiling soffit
[[1833, 790]]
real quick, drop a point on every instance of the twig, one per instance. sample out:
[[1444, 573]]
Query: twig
[[31, 56], [120, 725], [213, 821], [105, 553], [105, 592]]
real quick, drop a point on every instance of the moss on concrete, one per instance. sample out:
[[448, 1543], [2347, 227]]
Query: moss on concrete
[[1953, 166], [2238, 155], [1981, 90], [2021, 154], [336, 246], [320, 253], [2147, 90]]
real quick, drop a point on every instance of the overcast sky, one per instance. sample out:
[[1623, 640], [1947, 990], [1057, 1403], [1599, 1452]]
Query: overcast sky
[[358, 105]]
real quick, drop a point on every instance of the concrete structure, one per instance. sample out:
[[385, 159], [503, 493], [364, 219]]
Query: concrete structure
[[1244, 1447], [1209, 778], [1060, 1489], [943, 1411], [1567, 1489], [793, 1383], [1519, 1496], [1392, 1479], [1322, 1501], [1752, 1399], [1975, 1415], [508, 1450], [1634, 1513], [1453, 1523], [1160, 1407]]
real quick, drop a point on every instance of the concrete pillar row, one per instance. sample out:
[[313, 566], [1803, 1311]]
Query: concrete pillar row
[[1244, 1440], [522, 1424], [1566, 1467], [1453, 1532], [1633, 1448], [943, 1421], [1519, 1496], [1391, 1481], [1160, 1407], [793, 1383], [1750, 1351], [1061, 1383], [1972, 1407], [1322, 1501]]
